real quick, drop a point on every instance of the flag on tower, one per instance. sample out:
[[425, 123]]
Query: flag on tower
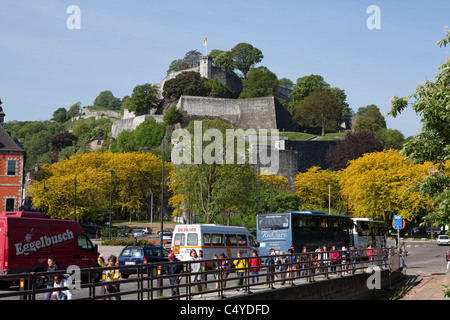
[[206, 47], [204, 42]]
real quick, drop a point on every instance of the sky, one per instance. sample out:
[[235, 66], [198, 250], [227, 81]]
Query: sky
[[372, 55]]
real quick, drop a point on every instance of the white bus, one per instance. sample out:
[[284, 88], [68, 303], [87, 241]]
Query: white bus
[[367, 231], [209, 239]]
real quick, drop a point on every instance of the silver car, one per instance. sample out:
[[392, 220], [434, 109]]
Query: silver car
[[442, 239]]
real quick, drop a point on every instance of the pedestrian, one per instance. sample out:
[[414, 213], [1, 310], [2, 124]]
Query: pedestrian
[[403, 254], [196, 268], [354, 257], [344, 263], [241, 265], [175, 269], [59, 282], [384, 256], [447, 258], [270, 263], [291, 260], [370, 253], [283, 262], [325, 257], [53, 265], [225, 266], [110, 275], [255, 266], [304, 260], [215, 266], [334, 256]]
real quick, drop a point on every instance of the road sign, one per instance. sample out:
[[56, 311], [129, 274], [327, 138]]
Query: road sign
[[398, 223]]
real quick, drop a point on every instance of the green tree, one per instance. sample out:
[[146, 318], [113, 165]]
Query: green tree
[[174, 66], [187, 83], [261, 82], [223, 59], [431, 101], [74, 110], [144, 98], [60, 115], [107, 100], [369, 118], [244, 56], [320, 109]]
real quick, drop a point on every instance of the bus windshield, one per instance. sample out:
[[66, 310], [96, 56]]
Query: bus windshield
[[273, 222]]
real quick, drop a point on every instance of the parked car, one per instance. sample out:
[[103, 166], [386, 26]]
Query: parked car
[[135, 255], [138, 232], [442, 239], [167, 236]]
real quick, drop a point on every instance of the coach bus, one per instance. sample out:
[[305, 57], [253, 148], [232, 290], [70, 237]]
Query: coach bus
[[367, 231], [310, 229]]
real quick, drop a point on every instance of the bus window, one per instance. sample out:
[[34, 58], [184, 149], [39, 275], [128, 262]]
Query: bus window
[[179, 239], [192, 239], [251, 241], [206, 239], [242, 240], [217, 239], [231, 240], [304, 223], [272, 222]]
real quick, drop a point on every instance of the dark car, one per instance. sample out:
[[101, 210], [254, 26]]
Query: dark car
[[135, 255]]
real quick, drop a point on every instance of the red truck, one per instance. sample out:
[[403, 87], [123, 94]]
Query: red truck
[[27, 239]]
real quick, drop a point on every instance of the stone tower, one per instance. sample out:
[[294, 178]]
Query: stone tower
[[205, 67]]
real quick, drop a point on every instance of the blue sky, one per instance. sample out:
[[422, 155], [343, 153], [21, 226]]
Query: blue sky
[[121, 44]]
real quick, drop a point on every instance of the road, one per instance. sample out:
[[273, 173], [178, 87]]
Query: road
[[425, 271]]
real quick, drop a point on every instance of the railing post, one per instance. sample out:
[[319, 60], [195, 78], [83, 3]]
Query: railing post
[[22, 286]]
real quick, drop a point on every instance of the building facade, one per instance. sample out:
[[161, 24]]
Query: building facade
[[12, 158]]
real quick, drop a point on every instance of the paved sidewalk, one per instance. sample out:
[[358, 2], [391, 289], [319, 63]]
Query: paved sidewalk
[[428, 287]]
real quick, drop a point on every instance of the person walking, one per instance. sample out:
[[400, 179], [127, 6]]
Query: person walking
[[61, 282], [110, 275], [225, 266], [255, 266], [447, 258], [196, 268], [53, 265], [241, 265], [403, 254], [175, 269]]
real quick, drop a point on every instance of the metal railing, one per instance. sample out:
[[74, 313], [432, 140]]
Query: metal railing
[[151, 281]]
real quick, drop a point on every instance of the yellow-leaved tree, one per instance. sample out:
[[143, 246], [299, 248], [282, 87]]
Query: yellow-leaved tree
[[135, 176], [316, 188], [380, 185]]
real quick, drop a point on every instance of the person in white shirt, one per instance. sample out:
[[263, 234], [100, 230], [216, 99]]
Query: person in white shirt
[[61, 282]]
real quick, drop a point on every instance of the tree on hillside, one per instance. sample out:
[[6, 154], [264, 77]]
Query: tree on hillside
[[431, 102], [244, 56], [174, 66], [223, 59], [353, 146], [144, 98], [369, 118], [60, 115], [191, 60], [107, 100], [308, 84], [187, 83], [319, 109], [261, 82]]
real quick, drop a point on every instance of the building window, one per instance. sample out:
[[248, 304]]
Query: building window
[[11, 167], [10, 204]]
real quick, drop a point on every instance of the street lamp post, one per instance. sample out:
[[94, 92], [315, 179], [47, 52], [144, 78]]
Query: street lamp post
[[75, 200], [162, 196], [110, 202]]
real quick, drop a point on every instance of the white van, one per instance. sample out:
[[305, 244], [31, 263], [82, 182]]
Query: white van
[[211, 238]]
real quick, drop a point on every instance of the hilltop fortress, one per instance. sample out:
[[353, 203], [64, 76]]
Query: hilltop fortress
[[257, 113]]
